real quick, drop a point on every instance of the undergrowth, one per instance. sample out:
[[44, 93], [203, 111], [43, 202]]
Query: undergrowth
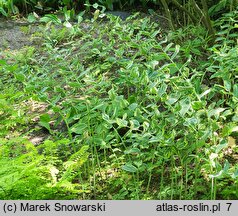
[[120, 111]]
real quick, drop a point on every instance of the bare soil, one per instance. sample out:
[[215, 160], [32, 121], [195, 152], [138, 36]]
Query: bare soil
[[15, 35]]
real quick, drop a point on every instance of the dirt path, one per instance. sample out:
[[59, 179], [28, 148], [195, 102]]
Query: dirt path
[[15, 35]]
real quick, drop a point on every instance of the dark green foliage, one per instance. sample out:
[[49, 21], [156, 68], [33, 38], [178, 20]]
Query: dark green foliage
[[8, 7], [184, 12]]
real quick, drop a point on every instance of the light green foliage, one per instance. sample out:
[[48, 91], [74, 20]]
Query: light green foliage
[[27, 174], [129, 114]]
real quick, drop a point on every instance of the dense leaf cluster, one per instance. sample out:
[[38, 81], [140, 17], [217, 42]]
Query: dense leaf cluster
[[121, 110]]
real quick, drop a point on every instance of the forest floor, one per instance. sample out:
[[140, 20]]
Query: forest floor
[[19, 33], [15, 35], [116, 110]]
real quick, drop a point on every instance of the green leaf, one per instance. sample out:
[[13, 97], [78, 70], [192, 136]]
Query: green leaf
[[205, 93], [173, 98], [168, 47], [216, 175], [121, 122], [45, 118], [12, 68], [31, 18], [74, 84], [197, 105], [95, 5], [3, 62], [45, 125], [223, 144], [67, 24], [95, 51], [185, 106], [235, 174], [134, 124], [44, 121], [50, 18], [215, 112], [162, 89], [20, 77], [138, 163], [129, 168], [78, 128], [229, 128], [227, 84], [133, 106], [177, 48], [226, 166], [3, 12], [235, 90], [190, 122], [132, 151]]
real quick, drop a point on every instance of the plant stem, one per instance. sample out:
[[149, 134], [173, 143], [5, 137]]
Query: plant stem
[[181, 7], [168, 14], [205, 18]]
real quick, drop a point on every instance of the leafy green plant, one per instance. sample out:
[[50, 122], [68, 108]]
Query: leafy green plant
[[30, 175], [124, 111]]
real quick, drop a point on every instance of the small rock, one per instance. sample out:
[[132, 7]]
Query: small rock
[[36, 140]]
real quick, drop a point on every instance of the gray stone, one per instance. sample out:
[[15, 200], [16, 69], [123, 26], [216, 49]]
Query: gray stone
[[122, 14]]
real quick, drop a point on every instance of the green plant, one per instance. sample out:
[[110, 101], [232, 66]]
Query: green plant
[[30, 175], [124, 111]]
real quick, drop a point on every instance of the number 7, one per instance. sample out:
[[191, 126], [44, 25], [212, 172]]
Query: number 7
[[229, 205]]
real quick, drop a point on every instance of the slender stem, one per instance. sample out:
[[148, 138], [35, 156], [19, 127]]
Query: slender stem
[[233, 5], [207, 20], [168, 14], [181, 7], [150, 174]]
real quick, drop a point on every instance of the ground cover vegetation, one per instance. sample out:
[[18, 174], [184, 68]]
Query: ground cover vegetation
[[121, 109]]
